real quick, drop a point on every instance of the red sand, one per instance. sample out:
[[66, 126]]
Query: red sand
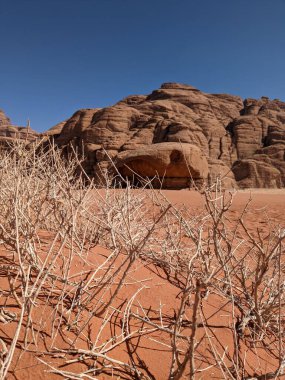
[[267, 207]]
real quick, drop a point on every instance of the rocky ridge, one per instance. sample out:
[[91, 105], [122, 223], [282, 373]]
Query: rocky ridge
[[9, 132], [179, 129], [179, 134]]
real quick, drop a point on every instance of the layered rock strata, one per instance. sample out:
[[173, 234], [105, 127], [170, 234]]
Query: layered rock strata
[[10, 133], [178, 133]]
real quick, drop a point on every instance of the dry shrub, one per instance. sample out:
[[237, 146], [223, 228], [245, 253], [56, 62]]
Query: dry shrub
[[72, 293]]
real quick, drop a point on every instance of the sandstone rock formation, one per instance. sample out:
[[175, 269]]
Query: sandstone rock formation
[[176, 134], [178, 127], [174, 164], [9, 132], [4, 120]]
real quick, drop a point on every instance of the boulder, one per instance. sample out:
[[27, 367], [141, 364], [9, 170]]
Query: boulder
[[252, 173], [174, 165]]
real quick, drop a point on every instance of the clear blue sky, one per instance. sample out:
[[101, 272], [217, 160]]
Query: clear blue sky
[[61, 55]]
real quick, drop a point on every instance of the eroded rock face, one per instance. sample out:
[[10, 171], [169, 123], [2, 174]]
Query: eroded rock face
[[9, 132], [254, 173], [222, 135], [4, 120], [259, 137], [177, 163]]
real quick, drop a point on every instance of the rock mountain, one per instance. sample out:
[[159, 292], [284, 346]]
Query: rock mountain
[[177, 130]]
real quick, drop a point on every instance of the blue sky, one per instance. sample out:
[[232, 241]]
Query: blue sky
[[61, 55]]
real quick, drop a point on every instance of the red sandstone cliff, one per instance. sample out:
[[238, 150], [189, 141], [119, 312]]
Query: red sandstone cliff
[[177, 129]]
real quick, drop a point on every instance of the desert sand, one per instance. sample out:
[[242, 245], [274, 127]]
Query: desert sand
[[266, 210]]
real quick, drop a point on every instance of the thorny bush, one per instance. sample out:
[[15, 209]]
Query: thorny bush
[[72, 289]]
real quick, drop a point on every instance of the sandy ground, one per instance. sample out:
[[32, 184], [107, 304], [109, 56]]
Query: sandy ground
[[267, 208], [267, 198], [265, 205]]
